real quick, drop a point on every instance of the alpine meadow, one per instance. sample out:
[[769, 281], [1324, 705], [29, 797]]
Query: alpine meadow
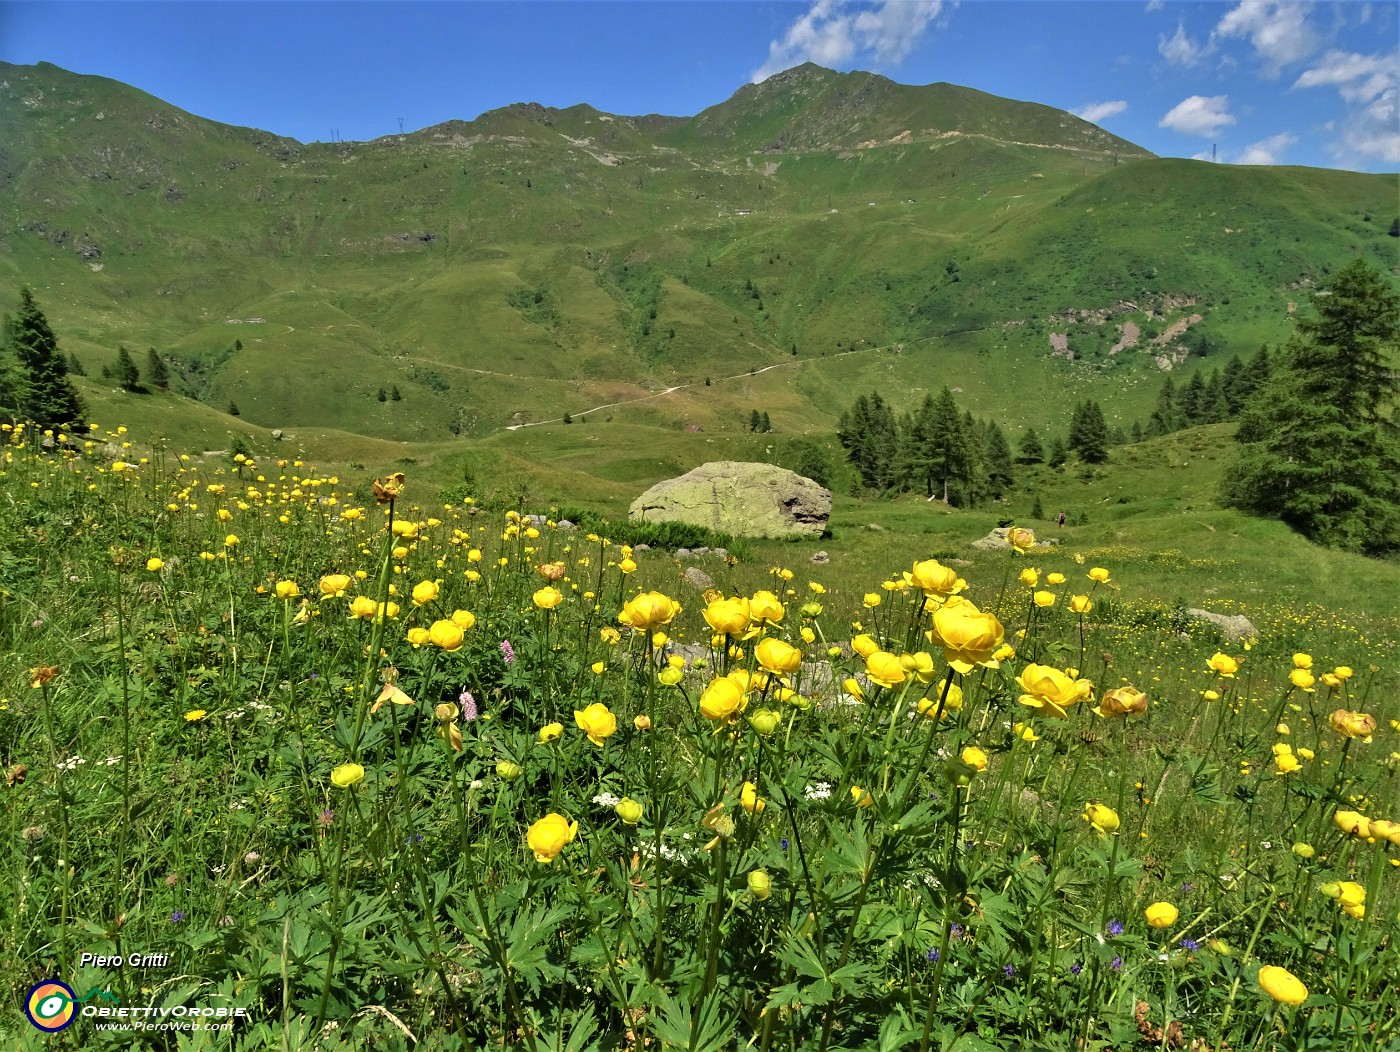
[[344, 705]]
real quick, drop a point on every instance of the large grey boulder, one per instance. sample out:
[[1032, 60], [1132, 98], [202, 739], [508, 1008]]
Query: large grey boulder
[[746, 500], [1234, 627]]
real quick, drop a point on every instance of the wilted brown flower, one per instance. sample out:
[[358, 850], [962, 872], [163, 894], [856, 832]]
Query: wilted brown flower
[[389, 489]]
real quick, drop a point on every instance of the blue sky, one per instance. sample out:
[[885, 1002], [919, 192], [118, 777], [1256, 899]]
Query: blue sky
[[1260, 81]]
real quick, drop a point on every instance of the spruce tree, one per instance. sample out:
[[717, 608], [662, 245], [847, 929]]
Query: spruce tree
[[45, 395], [996, 453], [1032, 452], [1189, 402], [1321, 446], [1233, 381], [156, 370], [754, 420], [868, 434], [75, 366], [1215, 407], [1165, 417], [128, 375], [1059, 452], [1088, 433], [765, 425], [948, 449]]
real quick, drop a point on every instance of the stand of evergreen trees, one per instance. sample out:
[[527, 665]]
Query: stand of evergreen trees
[[34, 383]]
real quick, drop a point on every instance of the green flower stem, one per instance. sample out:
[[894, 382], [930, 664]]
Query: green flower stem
[[949, 893]]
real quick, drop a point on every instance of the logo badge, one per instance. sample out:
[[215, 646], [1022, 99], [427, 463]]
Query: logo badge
[[50, 1006]]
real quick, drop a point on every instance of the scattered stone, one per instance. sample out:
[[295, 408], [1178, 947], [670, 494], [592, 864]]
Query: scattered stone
[[277, 436], [1235, 627], [743, 499], [720, 553], [566, 525], [681, 553], [641, 548], [821, 558], [698, 578], [874, 527]]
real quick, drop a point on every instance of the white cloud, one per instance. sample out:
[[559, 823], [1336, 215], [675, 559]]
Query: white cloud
[[1156, 5], [1267, 151], [830, 34], [1199, 115], [1180, 49], [1278, 30], [1370, 86], [1098, 112]]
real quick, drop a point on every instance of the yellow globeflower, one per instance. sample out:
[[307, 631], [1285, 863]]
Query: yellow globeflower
[[1224, 665], [1302, 679], [974, 758], [765, 608], [723, 699], [597, 721], [1104, 819], [861, 797], [647, 611], [548, 598], [1122, 701], [507, 770], [933, 578], [1099, 574], [446, 635], [231, 541], [1080, 604], [154, 564], [1353, 724], [884, 668], [1029, 577], [1303, 850], [347, 774], [765, 721], [335, 584], [628, 811], [424, 592], [549, 732], [1055, 578], [969, 637], [1161, 914], [749, 799], [872, 600], [1051, 691], [418, 636], [920, 664], [287, 590], [1353, 823], [550, 835], [1285, 762], [362, 606], [1044, 598], [728, 617], [1282, 985], [464, 619], [778, 657], [1346, 892], [864, 645], [1021, 539], [1302, 661], [760, 885]]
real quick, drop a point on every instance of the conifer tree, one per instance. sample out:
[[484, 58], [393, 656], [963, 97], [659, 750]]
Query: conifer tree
[[754, 420], [1190, 399], [1088, 433], [75, 366], [764, 424], [1031, 451], [1233, 381], [42, 390], [868, 434], [128, 375], [156, 370], [996, 452], [1059, 452], [1215, 407], [1320, 442], [1165, 417]]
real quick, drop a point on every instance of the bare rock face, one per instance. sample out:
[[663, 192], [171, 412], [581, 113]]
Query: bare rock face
[[742, 499]]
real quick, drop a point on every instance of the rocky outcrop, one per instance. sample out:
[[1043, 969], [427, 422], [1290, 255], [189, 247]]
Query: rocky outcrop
[[742, 499], [1234, 627]]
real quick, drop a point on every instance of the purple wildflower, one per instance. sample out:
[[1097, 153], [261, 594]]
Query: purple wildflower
[[1010, 970], [1115, 927], [508, 652], [177, 917], [1117, 963], [932, 955], [326, 817], [468, 705], [784, 843], [1075, 968], [1187, 888], [1190, 944], [956, 930]]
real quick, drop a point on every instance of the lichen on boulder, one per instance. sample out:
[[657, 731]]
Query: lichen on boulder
[[741, 499]]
